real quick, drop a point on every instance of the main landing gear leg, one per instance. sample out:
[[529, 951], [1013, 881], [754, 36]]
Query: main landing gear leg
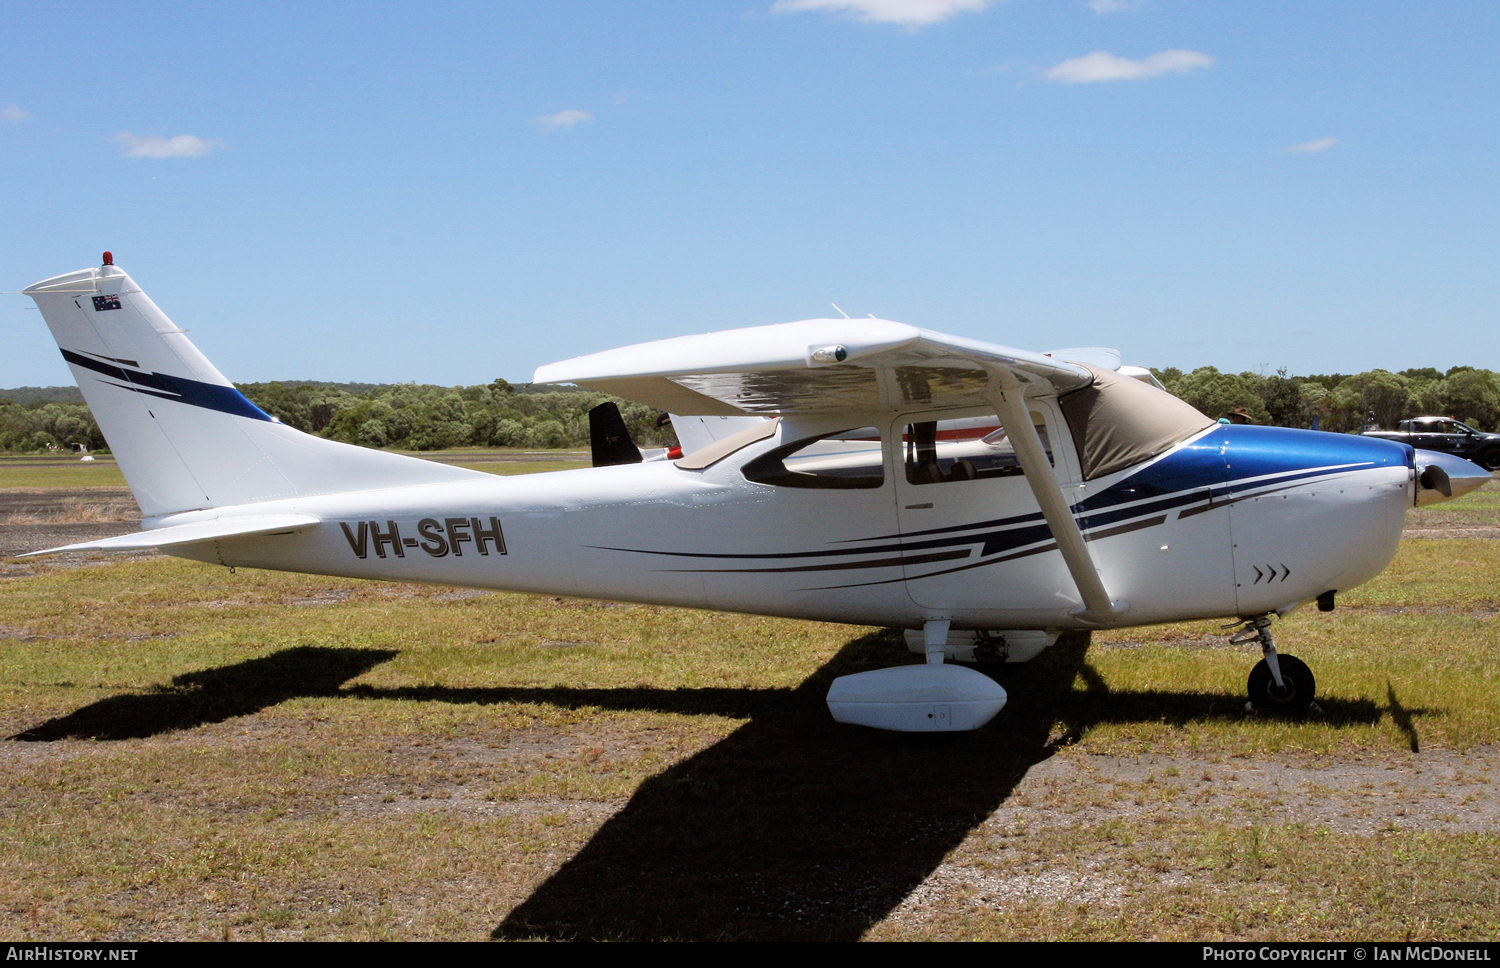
[[1278, 683], [935, 638]]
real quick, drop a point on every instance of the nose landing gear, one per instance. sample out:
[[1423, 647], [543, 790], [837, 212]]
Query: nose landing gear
[[1278, 683]]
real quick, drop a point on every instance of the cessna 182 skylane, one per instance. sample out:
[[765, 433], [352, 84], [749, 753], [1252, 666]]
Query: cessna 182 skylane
[[836, 476]]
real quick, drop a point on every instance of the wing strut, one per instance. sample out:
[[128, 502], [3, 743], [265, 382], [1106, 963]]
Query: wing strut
[[1010, 403]]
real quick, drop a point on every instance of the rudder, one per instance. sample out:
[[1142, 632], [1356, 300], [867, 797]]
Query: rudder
[[184, 436]]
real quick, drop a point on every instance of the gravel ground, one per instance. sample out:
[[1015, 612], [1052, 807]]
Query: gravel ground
[[31, 520]]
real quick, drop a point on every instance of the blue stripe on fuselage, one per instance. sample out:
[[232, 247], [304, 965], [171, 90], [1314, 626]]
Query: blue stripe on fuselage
[[1226, 461], [1256, 451], [1195, 466], [1234, 457]]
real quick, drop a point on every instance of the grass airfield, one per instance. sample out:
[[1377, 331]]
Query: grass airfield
[[199, 754]]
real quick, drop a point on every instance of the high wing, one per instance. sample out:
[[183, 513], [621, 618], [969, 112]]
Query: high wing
[[855, 366], [813, 366], [1100, 357]]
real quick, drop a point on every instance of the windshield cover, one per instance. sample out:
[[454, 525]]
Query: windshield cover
[[1118, 422]]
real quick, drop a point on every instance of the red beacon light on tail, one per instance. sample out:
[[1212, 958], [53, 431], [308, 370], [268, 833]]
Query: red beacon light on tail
[[109, 258]]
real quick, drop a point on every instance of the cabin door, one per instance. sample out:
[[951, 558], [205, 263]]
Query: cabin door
[[972, 534]]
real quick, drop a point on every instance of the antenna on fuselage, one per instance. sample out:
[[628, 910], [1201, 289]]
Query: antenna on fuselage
[[841, 312]]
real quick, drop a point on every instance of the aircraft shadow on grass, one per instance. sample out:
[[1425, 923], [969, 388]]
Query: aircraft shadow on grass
[[795, 827], [791, 827], [213, 695]]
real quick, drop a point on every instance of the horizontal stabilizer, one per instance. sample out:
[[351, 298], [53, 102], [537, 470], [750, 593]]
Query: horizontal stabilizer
[[609, 438], [183, 534]]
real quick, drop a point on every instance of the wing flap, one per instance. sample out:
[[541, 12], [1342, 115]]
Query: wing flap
[[659, 393], [183, 534]]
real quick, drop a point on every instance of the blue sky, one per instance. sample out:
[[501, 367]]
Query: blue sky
[[448, 193]]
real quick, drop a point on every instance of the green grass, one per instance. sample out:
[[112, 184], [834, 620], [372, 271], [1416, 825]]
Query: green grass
[[196, 753], [46, 472], [37, 473], [298, 756], [510, 469], [487, 453]]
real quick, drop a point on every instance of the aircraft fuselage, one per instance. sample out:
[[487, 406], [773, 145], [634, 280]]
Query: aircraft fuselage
[[1236, 521]]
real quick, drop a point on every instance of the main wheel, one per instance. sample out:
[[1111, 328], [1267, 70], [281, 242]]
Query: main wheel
[[1295, 693]]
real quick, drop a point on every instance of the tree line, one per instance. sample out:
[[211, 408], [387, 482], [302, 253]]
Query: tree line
[[410, 416], [406, 416], [1340, 403]]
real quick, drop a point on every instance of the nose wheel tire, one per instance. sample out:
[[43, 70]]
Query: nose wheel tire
[[1294, 695]]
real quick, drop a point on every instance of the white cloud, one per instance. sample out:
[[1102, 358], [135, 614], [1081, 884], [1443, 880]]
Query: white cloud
[[1314, 146], [562, 119], [907, 13], [155, 146], [1112, 6], [1101, 65], [13, 113]]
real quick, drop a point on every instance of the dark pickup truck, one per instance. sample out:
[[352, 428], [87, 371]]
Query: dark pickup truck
[[1447, 435]]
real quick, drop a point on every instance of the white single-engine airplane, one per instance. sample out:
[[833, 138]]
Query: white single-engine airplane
[[836, 469]]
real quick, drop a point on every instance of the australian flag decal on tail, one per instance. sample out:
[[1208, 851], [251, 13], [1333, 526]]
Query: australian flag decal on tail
[[101, 303]]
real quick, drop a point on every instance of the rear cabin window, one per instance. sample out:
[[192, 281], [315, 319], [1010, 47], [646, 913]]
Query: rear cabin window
[[844, 460], [968, 449]]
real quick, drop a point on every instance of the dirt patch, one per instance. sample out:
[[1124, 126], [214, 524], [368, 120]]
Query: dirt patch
[[1432, 534], [34, 520], [473, 802], [1437, 792], [74, 512], [963, 886], [93, 504], [1170, 642], [1477, 610], [333, 596]]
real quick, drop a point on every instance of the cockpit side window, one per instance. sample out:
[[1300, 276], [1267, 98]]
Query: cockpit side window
[[967, 449], [844, 460]]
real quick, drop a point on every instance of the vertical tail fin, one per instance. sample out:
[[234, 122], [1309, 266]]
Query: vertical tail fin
[[184, 437], [609, 439]]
